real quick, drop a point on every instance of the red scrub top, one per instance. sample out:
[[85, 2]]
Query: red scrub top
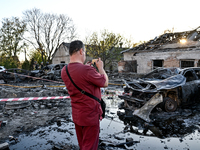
[[85, 110]]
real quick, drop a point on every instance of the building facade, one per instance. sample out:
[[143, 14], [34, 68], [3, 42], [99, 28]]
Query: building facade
[[61, 55]]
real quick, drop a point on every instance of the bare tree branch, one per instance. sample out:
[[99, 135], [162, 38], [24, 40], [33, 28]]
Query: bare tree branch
[[49, 30]]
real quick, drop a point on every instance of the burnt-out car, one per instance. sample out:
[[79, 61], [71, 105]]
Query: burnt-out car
[[167, 88], [54, 72], [51, 72]]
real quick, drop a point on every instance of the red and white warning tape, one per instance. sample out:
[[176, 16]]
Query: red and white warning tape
[[53, 97], [33, 98], [33, 77]]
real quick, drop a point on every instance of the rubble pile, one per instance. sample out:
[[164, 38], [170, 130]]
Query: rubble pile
[[20, 116], [33, 91]]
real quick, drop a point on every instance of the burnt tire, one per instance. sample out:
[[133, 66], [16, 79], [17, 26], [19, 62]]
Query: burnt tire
[[169, 105]]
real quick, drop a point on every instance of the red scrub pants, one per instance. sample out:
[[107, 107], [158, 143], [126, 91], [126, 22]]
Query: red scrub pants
[[88, 137]]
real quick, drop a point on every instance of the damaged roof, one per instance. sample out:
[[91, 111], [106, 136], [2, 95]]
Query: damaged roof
[[63, 43], [170, 41]]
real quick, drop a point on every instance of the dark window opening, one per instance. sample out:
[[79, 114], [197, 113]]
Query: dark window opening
[[62, 62], [157, 63], [130, 66], [198, 64], [187, 63]]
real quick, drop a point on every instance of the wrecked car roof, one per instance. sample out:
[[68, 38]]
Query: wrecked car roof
[[161, 73], [169, 83], [158, 79]]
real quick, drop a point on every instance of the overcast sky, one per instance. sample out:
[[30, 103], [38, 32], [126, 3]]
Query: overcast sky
[[140, 19]]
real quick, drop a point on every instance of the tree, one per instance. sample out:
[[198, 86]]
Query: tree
[[107, 46], [48, 31], [36, 56], [26, 65], [11, 36], [9, 62]]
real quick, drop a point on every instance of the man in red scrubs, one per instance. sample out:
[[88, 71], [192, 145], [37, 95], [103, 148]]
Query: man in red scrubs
[[86, 112]]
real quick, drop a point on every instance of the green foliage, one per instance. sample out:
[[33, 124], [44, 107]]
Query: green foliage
[[36, 56], [107, 46], [11, 36], [26, 65], [9, 62]]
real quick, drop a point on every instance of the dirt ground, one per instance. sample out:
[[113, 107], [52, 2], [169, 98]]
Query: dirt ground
[[18, 117]]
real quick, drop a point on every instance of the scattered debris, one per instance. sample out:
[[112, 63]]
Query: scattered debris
[[11, 138], [4, 146], [17, 105]]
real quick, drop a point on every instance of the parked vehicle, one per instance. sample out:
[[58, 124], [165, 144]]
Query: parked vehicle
[[167, 88]]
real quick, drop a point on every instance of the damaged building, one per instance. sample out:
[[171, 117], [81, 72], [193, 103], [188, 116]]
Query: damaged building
[[179, 49], [61, 54]]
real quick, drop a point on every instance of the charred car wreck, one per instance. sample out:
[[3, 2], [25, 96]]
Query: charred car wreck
[[165, 88], [51, 72]]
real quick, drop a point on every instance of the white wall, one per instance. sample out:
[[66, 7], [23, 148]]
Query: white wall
[[62, 54]]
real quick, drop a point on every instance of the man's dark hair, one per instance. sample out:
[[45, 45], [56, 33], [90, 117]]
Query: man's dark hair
[[75, 46]]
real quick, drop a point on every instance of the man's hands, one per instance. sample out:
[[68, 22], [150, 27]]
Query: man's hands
[[99, 64]]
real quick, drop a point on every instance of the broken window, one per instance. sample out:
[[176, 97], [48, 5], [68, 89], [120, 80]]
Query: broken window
[[187, 63], [197, 73], [189, 76], [157, 63]]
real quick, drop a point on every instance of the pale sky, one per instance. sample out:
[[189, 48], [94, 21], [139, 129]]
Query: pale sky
[[140, 19]]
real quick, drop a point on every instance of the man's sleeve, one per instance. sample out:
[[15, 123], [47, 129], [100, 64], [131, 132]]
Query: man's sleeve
[[95, 77]]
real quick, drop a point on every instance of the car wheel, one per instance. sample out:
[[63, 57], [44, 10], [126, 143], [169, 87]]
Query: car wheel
[[170, 105]]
